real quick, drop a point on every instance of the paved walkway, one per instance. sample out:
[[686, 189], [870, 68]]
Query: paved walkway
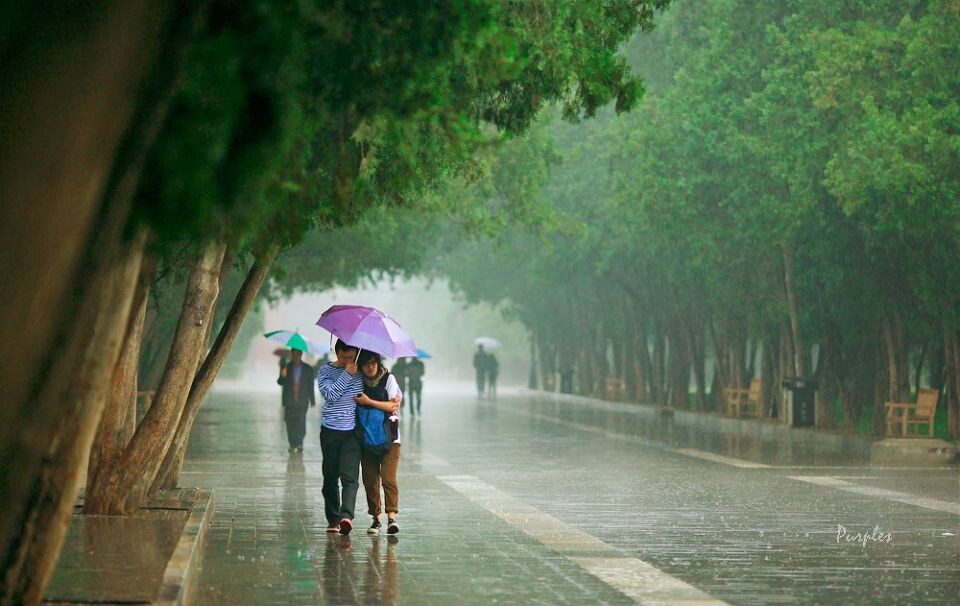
[[535, 499]]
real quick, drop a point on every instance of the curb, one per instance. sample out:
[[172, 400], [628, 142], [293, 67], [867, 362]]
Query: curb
[[180, 573]]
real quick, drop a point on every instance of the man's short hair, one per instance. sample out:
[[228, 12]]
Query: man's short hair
[[340, 346]]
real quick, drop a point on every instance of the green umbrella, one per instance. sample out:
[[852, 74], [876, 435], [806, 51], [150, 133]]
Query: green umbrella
[[294, 340]]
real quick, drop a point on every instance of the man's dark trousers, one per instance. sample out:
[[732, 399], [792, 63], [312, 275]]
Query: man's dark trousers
[[341, 465], [296, 419]]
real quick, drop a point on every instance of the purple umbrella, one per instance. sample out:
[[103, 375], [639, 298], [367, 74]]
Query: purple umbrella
[[368, 328]]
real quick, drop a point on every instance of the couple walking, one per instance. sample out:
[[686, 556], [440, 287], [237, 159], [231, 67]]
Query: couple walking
[[359, 429]]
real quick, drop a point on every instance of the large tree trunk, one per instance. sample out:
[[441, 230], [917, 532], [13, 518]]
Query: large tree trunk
[[66, 182], [799, 350], [118, 420], [81, 389], [125, 483], [169, 473]]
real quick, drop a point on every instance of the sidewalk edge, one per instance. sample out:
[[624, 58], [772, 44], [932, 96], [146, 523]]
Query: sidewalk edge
[[180, 573]]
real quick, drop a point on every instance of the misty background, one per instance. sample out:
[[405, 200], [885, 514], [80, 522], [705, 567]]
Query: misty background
[[439, 321]]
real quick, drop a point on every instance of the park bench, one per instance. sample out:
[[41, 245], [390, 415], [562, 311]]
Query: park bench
[[613, 389], [744, 401], [905, 415]]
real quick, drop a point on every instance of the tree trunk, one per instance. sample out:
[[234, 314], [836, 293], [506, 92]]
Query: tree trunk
[[584, 370], [721, 366], [694, 334], [117, 422], [644, 365], [768, 376], [658, 386], [599, 356], [799, 350], [169, 473], [679, 368], [938, 365], [125, 482], [828, 381], [71, 163], [737, 357], [532, 379], [752, 346], [785, 366], [951, 342], [898, 369], [881, 390], [918, 373], [82, 388]]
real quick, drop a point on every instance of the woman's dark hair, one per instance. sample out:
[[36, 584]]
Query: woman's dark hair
[[340, 346], [366, 355]]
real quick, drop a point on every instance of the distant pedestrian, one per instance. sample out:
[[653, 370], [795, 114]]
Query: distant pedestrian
[[493, 369], [480, 368], [399, 371], [378, 422], [340, 383], [415, 372], [297, 396]]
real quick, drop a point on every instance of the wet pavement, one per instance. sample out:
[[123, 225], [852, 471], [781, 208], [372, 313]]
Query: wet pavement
[[538, 499], [114, 559]]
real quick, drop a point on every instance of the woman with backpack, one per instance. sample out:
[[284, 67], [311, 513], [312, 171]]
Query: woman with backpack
[[378, 430]]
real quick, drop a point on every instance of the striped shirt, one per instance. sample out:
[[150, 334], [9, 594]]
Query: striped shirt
[[339, 388]]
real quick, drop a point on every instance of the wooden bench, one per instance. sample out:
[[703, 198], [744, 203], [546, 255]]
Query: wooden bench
[[744, 401], [613, 389], [905, 415]]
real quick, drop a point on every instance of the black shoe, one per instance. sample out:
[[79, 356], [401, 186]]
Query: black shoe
[[375, 527], [345, 526], [299, 448], [392, 527]]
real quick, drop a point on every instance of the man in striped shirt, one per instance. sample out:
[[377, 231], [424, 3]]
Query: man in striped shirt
[[340, 383]]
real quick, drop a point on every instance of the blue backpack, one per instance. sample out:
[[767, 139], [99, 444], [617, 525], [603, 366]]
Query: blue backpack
[[373, 430]]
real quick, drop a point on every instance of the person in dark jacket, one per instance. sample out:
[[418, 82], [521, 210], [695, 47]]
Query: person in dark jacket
[[480, 366], [297, 379], [415, 372]]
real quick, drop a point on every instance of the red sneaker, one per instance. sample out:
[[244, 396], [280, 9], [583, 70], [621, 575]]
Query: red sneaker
[[345, 526]]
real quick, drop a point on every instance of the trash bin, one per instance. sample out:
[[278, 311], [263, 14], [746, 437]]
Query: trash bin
[[799, 395]]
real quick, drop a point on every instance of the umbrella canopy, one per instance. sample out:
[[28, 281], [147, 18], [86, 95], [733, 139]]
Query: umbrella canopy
[[368, 328], [423, 355], [487, 342], [294, 340]]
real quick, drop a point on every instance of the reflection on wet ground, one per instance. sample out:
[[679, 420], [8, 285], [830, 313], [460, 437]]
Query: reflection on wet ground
[[742, 535]]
